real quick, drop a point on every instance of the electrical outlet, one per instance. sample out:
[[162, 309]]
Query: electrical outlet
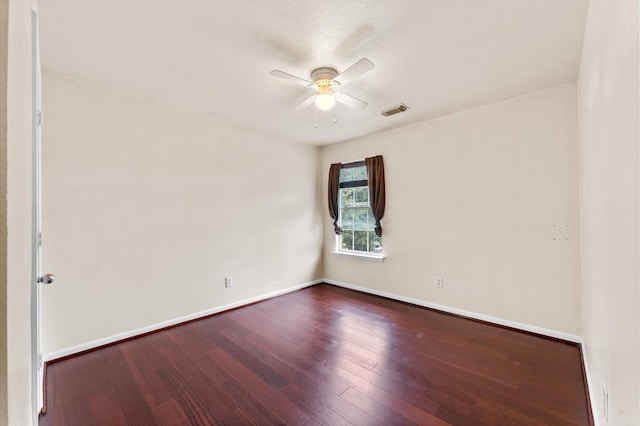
[[605, 403], [439, 282], [228, 282]]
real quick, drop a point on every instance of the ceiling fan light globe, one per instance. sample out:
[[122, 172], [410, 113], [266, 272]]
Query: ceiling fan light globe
[[325, 101]]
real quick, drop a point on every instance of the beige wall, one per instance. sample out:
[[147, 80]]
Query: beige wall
[[18, 221], [486, 199], [609, 137], [146, 209], [4, 54]]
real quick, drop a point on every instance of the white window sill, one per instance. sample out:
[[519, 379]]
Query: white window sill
[[372, 257]]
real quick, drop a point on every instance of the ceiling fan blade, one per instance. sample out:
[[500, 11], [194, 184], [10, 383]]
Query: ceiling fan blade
[[292, 78], [304, 103], [355, 70], [350, 101]]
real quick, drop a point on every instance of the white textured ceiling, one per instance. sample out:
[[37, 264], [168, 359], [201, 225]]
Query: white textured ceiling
[[213, 57]]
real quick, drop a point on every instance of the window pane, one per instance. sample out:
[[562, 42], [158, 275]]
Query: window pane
[[346, 218], [372, 220], [360, 240], [347, 240], [361, 196], [346, 175], [349, 174], [361, 218], [375, 242], [360, 173], [346, 197]]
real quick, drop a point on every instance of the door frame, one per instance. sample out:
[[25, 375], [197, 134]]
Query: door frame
[[37, 384]]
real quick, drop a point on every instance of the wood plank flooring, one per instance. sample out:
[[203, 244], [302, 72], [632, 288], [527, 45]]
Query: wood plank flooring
[[323, 355]]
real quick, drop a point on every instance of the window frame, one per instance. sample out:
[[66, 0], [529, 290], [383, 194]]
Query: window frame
[[368, 255]]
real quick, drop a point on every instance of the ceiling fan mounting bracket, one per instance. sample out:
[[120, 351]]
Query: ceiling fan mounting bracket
[[323, 73]]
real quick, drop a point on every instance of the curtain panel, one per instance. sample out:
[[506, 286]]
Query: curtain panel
[[375, 171], [334, 190]]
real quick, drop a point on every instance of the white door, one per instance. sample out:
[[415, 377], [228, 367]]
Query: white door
[[37, 279]]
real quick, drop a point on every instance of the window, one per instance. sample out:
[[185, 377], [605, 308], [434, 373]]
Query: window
[[356, 218]]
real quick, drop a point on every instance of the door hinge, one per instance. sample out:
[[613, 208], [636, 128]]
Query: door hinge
[[40, 361], [39, 239], [40, 118]]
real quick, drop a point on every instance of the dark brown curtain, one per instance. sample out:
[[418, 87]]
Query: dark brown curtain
[[375, 171], [334, 190]]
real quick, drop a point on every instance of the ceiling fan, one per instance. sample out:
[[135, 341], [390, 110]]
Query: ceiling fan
[[325, 81]]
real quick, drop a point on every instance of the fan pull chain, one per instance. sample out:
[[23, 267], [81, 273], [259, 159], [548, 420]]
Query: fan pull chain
[[316, 125], [316, 114]]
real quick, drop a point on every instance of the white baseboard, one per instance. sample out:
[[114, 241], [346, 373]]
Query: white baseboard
[[507, 323], [132, 333], [590, 384]]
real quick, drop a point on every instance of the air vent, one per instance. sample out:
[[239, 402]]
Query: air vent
[[395, 110]]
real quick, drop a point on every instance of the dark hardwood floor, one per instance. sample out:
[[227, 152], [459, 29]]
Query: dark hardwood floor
[[323, 355]]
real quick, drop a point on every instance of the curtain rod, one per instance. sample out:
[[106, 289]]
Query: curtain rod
[[353, 161]]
